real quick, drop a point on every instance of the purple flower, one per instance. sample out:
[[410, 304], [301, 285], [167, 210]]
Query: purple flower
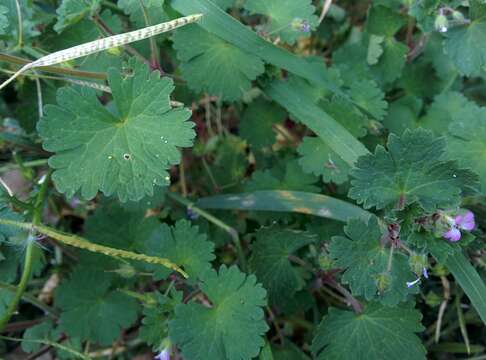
[[163, 355], [460, 222], [412, 283], [305, 27], [466, 221], [425, 273]]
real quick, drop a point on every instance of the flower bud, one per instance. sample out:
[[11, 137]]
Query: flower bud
[[441, 23], [458, 16], [383, 282]]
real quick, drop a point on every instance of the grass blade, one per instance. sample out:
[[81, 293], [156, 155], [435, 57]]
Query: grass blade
[[329, 130], [286, 201], [469, 280], [103, 44]]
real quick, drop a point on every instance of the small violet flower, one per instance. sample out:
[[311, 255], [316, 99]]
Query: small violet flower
[[460, 222], [163, 355], [412, 283], [305, 27]]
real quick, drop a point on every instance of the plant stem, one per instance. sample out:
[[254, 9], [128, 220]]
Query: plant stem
[[212, 219], [29, 252], [20, 42], [32, 163], [155, 56], [33, 300], [54, 69], [355, 304]]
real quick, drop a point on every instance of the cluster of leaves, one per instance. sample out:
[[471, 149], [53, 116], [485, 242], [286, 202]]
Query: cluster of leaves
[[358, 126]]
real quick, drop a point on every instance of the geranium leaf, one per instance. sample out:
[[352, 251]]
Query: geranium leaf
[[410, 170], [232, 328], [271, 264], [124, 150], [380, 332], [210, 64], [364, 259]]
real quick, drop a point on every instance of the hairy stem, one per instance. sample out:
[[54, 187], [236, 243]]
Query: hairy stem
[[29, 252]]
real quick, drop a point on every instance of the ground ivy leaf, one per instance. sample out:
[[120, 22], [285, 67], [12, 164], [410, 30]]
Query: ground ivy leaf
[[287, 18], [72, 11], [210, 64], [257, 121], [365, 259], [380, 332], [94, 313], [369, 96], [232, 329], [183, 245], [466, 46], [467, 141], [410, 171], [126, 151], [271, 265]]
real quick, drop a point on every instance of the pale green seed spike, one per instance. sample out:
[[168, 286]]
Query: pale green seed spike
[[82, 243], [104, 44]]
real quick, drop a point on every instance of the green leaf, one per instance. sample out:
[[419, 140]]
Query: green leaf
[[444, 109], [285, 18], [383, 21], [467, 141], [72, 11], [224, 4], [40, 331], [94, 313], [124, 151], [380, 332], [365, 260], [410, 171], [210, 64], [182, 244], [369, 96], [232, 328], [375, 49], [271, 265], [466, 46], [311, 115], [256, 125], [403, 114], [154, 10], [318, 159], [286, 201], [6, 297], [3, 19], [154, 329], [392, 61]]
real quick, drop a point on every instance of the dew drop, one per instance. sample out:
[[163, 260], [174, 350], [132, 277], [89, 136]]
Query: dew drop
[[127, 156], [454, 175], [110, 157], [166, 141], [167, 178]]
